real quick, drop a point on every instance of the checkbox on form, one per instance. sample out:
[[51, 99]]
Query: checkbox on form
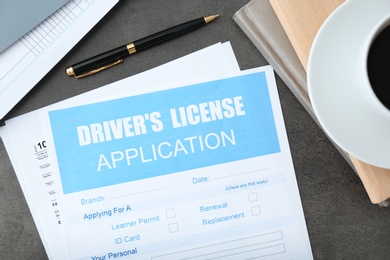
[[252, 197], [170, 213], [255, 210], [173, 228]]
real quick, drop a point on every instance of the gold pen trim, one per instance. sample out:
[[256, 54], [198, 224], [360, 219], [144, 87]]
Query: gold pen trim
[[70, 70], [131, 48]]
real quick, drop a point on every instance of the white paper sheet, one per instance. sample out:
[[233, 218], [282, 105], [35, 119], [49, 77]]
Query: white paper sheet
[[181, 171], [32, 161], [24, 63], [241, 203]]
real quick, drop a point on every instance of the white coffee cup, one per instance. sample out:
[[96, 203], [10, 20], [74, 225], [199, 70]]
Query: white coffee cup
[[362, 69]]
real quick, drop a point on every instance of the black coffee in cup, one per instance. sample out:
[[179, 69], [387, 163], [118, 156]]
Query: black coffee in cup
[[378, 66]]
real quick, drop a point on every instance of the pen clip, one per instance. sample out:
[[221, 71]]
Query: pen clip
[[99, 69]]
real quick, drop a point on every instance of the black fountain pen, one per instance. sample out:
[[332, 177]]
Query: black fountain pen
[[113, 57]]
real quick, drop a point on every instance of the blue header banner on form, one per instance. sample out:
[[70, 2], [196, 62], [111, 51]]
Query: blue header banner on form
[[164, 132]]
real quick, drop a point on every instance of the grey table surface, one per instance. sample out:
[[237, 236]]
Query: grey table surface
[[341, 221]]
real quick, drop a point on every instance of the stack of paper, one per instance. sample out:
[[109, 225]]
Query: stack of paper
[[194, 164], [283, 31]]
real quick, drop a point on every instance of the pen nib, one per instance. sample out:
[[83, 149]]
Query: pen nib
[[210, 18]]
